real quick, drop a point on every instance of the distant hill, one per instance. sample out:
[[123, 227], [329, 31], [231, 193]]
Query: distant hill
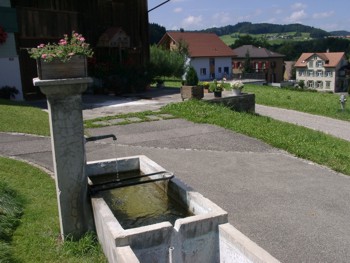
[[266, 28], [340, 33]]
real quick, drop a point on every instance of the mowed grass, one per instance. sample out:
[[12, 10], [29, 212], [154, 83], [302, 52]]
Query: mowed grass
[[19, 117], [319, 103], [37, 237], [299, 141]]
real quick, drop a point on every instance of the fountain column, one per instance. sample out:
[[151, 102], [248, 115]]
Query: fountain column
[[68, 149]]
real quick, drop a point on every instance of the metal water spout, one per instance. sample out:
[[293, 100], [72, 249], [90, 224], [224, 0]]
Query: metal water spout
[[100, 137]]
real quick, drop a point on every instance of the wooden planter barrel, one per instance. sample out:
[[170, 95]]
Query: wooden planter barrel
[[191, 92], [76, 67]]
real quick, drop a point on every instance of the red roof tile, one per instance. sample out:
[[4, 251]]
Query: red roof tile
[[202, 44]]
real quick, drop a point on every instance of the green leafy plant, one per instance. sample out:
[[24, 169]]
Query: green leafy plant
[[64, 50], [8, 92], [217, 87], [191, 77]]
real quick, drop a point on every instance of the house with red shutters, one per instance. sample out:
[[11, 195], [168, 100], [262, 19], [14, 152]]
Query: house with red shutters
[[263, 64]]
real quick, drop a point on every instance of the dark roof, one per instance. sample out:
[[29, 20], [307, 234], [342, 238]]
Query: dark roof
[[255, 52], [332, 58], [202, 44]]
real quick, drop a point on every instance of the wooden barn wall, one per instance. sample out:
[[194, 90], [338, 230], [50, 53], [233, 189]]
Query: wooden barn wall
[[42, 21]]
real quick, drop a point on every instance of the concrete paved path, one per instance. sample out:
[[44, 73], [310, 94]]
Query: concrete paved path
[[337, 128]]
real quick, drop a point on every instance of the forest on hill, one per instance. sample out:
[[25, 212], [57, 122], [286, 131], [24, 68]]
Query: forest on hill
[[266, 28], [249, 34]]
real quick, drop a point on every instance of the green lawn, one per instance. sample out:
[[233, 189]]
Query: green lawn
[[36, 238], [19, 117], [324, 104]]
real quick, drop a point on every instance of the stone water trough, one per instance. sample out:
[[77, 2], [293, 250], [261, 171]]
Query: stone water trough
[[203, 235]]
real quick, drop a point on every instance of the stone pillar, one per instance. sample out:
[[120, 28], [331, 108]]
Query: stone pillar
[[68, 148]]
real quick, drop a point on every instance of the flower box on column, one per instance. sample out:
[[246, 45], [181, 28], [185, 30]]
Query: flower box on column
[[76, 67]]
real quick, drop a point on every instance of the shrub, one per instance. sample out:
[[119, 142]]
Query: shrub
[[191, 77]]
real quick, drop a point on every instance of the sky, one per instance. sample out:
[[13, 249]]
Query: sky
[[201, 14]]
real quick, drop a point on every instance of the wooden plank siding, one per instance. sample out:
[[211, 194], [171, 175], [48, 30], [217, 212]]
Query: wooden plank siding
[[43, 21]]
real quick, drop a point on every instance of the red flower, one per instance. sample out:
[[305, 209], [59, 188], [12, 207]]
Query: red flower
[[3, 35]]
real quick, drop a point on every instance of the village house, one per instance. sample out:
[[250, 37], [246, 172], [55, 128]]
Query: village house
[[323, 71], [264, 64], [208, 54]]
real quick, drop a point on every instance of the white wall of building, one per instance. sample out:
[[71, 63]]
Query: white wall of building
[[199, 65], [202, 67]]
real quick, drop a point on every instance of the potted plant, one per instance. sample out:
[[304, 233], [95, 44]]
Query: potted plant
[[65, 59], [217, 88], [8, 92], [237, 87], [190, 89]]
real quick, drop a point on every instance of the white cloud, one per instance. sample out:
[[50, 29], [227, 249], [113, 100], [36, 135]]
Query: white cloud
[[298, 6], [323, 15], [222, 18], [296, 17], [278, 11], [178, 10], [191, 22]]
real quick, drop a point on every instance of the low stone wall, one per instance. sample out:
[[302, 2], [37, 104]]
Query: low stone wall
[[236, 247], [242, 103]]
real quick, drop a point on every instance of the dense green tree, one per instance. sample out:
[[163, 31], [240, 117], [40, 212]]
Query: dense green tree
[[166, 63], [249, 40], [156, 32], [247, 63]]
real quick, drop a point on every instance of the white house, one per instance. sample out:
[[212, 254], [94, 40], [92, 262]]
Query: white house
[[208, 54], [323, 71]]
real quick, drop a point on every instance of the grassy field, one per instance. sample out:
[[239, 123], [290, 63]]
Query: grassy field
[[36, 238], [18, 117], [324, 104], [272, 39]]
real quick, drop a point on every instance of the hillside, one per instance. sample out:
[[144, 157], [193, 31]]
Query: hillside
[[266, 28], [340, 33]]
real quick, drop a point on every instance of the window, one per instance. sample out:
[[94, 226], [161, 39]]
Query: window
[[310, 84], [203, 71], [219, 69], [310, 73], [319, 84], [264, 65], [311, 64], [329, 74], [226, 70], [301, 72], [319, 73], [328, 84], [212, 62], [319, 63]]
